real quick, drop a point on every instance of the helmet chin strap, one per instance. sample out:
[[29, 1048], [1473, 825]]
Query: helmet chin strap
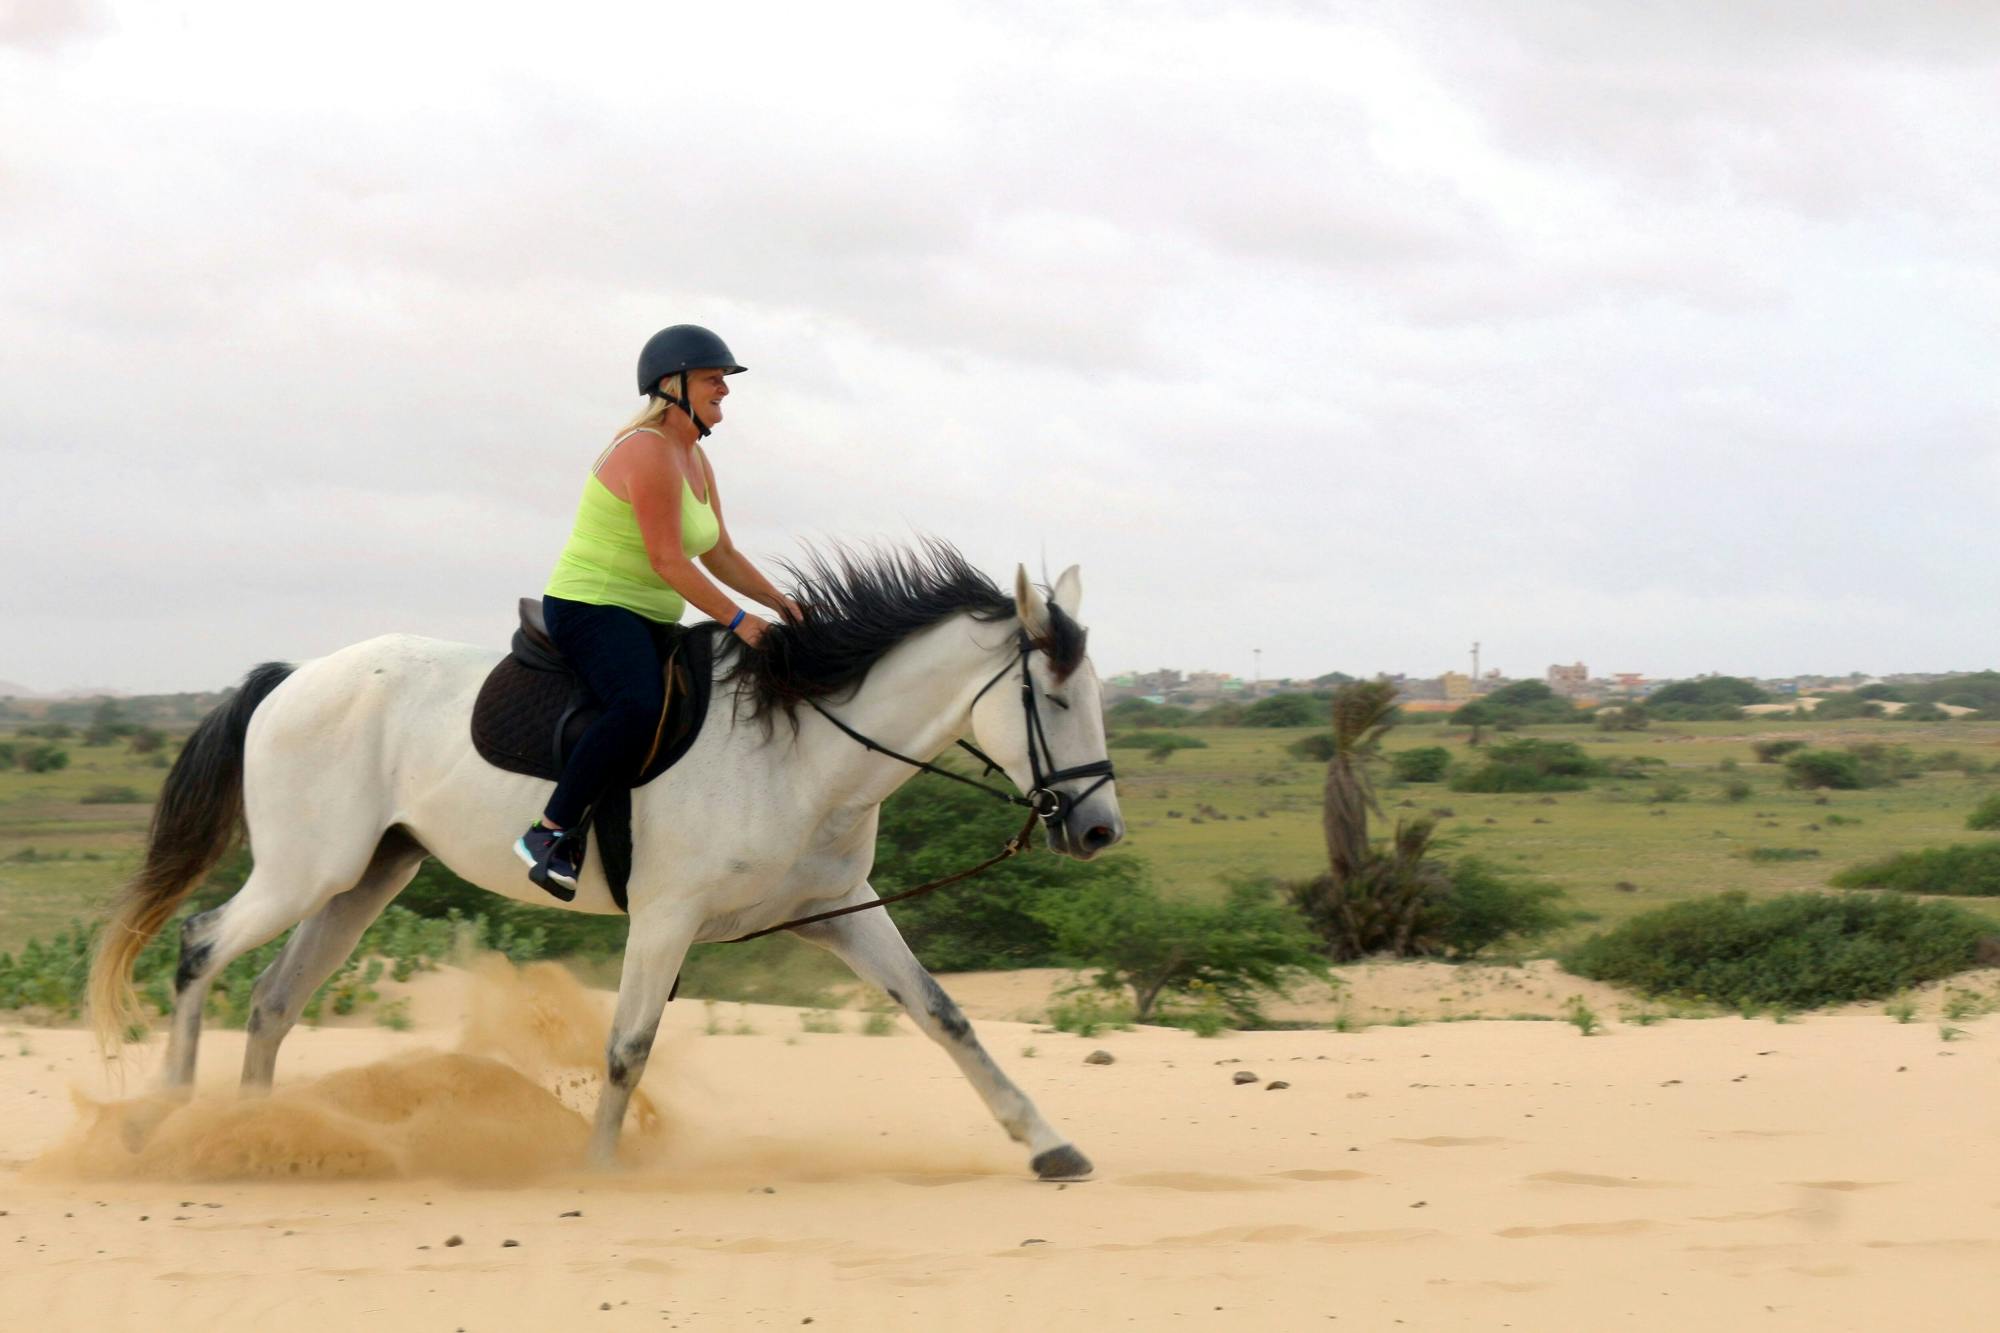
[[685, 405]]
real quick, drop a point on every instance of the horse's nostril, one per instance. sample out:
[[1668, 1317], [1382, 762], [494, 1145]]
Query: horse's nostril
[[1099, 837]]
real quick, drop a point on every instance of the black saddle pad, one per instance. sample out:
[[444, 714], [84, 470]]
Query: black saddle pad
[[532, 708], [527, 717]]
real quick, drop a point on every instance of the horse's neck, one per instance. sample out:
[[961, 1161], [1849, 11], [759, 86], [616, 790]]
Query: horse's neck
[[916, 700]]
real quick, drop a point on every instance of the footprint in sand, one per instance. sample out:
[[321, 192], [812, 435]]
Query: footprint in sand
[[1199, 1182], [1447, 1141], [1277, 1234], [1604, 1182]]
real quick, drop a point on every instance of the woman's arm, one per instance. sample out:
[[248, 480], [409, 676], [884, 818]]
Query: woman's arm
[[655, 487], [731, 565]]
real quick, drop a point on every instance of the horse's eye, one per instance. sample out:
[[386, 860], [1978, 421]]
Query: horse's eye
[[1059, 703]]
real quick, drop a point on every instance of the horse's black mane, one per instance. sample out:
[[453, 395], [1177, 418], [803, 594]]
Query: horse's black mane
[[860, 603]]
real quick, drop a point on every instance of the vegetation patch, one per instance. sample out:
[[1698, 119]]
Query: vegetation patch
[[1156, 742], [1316, 747], [1711, 699], [1851, 768], [108, 794], [1798, 951], [1964, 870], [1175, 955], [1781, 854], [1426, 763], [1985, 815], [1529, 765]]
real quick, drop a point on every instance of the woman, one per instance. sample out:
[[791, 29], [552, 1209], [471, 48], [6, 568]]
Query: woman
[[649, 508]]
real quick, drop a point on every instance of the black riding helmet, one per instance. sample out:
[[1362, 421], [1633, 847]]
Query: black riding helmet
[[679, 348]]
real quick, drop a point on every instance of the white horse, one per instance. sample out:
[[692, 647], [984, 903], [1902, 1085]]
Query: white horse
[[350, 769]]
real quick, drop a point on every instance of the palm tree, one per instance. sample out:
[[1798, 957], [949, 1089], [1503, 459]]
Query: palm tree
[[1363, 712]]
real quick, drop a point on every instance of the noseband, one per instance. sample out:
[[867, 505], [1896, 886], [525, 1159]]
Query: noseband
[[1051, 805]]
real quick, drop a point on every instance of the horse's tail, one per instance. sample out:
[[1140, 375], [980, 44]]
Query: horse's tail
[[196, 819]]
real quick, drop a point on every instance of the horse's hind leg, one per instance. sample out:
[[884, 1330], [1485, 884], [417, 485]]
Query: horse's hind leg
[[316, 950], [277, 896], [869, 943]]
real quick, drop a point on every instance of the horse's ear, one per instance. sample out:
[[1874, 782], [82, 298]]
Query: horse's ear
[[1028, 601], [1069, 592]]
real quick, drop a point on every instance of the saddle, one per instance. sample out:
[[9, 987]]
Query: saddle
[[532, 709]]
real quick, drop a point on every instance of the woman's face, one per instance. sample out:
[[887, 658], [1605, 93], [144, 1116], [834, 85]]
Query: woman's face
[[706, 389]]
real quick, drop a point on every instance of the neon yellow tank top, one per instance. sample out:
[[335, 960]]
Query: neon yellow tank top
[[605, 563]]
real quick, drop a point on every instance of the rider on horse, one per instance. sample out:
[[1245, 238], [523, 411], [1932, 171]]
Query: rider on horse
[[649, 508]]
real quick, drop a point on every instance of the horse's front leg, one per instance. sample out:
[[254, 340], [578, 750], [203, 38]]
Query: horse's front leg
[[869, 943], [654, 951]]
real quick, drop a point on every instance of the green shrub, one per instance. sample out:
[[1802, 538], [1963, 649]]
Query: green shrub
[[1824, 768], [51, 975], [1316, 748], [110, 795], [1667, 792], [1426, 763], [1165, 950], [1840, 707], [43, 758], [1985, 815], [1529, 765], [1526, 703], [1485, 907], [931, 828], [1781, 854], [1084, 1012], [1885, 765], [1965, 870], [1146, 713], [1624, 717], [1736, 789], [1798, 951], [1770, 752], [1287, 710]]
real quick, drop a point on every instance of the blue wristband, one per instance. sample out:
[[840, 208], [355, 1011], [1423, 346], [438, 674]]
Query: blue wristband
[[739, 620]]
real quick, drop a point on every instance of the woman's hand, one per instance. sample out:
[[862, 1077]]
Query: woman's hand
[[751, 631], [790, 610]]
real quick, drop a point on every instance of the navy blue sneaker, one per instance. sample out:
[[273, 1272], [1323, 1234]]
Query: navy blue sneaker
[[551, 857]]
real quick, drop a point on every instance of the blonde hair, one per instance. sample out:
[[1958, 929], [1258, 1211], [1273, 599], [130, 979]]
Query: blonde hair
[[656, 408]]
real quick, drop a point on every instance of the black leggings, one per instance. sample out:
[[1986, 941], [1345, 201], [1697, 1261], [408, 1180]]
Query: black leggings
[[618, 654]]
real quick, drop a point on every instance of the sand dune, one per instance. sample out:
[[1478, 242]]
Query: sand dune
[[1828, 1173]]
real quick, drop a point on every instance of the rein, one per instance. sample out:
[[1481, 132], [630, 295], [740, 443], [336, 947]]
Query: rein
[[1042, 802]]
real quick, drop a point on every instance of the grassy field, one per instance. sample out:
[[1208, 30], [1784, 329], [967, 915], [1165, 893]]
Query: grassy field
[[1244, 806]]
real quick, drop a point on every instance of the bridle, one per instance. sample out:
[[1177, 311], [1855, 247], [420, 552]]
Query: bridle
[[1043, 801], [1049, 804]]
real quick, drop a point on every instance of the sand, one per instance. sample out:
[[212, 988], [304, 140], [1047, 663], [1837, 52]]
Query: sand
[[1834, 1172]]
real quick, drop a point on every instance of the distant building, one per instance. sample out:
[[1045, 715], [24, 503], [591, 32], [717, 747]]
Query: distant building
[[1569, 681], [1458, 687]]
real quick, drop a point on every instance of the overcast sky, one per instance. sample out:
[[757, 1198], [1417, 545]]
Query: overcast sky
[[1659, 336]]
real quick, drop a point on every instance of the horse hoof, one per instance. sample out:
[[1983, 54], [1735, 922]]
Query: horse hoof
[[1064, 1163]]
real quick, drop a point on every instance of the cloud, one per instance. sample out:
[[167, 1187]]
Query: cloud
[[1652, 335], [45, 26]]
